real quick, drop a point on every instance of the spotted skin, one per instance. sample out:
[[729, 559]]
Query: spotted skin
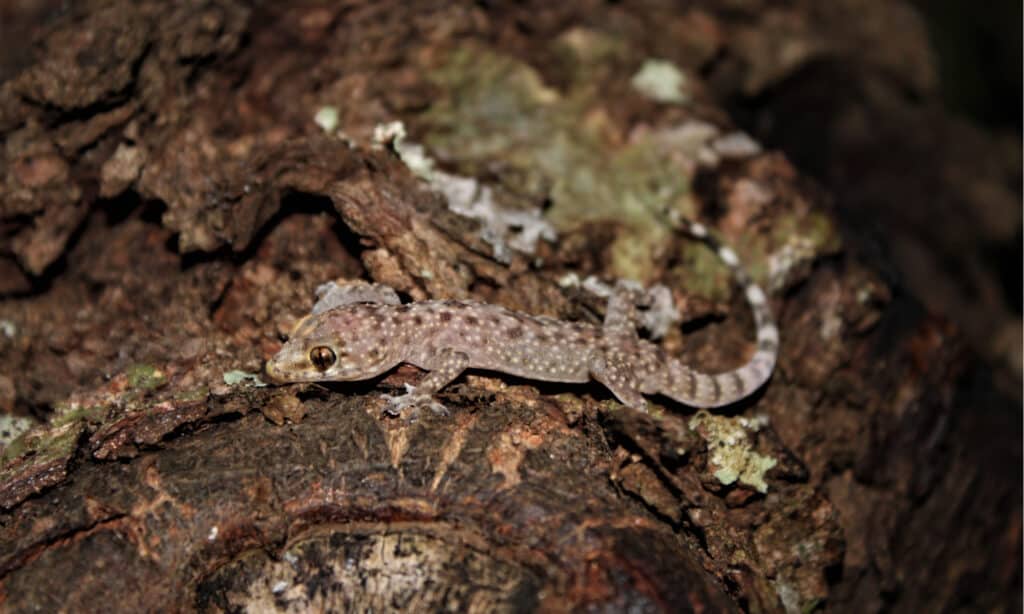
[[447, 337]]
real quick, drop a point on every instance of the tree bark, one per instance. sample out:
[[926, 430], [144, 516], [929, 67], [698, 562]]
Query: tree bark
[[180, 177]]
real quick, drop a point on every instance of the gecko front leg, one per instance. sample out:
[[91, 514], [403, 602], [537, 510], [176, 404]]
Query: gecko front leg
[[444, 366]]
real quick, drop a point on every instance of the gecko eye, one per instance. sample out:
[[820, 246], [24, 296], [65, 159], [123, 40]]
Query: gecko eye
[[322, 357]]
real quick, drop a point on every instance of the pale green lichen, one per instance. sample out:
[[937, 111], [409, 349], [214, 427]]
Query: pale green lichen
[[590, 55], [11, 427], [327, 118], [238, 377], [731, 454], [190, 395], [770, 259], [702, 272], [45, 443], [789, 595], [67, 412], [661, 81], [145, 377], [561, 145], [413, 155], [795, 240], [555, 145]]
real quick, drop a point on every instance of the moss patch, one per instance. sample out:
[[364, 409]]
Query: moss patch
[[145, 377]]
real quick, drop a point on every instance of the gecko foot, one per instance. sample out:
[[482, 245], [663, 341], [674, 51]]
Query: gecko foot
[[411, 401]]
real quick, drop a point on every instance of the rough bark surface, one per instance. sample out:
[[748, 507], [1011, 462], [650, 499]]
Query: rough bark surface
[[169, 204]]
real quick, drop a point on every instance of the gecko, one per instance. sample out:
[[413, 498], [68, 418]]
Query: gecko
[[364, 339]]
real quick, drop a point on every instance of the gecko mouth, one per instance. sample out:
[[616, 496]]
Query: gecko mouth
[[280, 372], [273, 373]]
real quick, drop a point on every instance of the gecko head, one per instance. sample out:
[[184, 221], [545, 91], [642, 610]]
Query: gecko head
[[343, 344]]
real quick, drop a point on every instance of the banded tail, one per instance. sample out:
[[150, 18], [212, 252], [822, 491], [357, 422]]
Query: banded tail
[[716, 390]]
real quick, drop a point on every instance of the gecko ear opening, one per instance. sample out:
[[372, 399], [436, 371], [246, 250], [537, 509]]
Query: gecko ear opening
[[322, 357]]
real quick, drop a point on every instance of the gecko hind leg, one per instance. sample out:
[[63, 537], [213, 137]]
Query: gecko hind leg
[[618, 376]]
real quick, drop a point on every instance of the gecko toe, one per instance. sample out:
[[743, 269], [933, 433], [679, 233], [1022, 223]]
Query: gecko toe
[[409, 405]]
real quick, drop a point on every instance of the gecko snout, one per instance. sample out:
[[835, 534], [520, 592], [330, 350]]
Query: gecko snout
[[273, 371]]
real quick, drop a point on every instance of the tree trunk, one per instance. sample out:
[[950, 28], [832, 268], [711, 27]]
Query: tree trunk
[[180, 177]]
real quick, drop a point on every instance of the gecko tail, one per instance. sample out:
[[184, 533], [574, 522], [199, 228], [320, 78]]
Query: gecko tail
[[719, 389]]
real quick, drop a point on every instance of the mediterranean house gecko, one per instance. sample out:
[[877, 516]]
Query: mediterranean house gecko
[[361, 340]]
